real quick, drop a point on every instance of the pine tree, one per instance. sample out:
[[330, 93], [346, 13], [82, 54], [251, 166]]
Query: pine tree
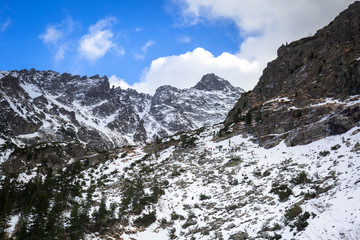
[[22, 228], [75, 225], [79, 219], [54, 228], [101, 216]]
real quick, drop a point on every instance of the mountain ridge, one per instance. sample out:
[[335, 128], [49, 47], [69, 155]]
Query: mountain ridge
[[305, 73], [99, 116]]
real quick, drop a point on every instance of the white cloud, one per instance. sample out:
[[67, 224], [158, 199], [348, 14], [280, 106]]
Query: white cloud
[[51, 35], [144, 50], [186, 70], [264, 25], [60, 53], [99, 40], [184, 39], [55, 33], [147, 45], [118, 82], [5, 25], [55, 36]]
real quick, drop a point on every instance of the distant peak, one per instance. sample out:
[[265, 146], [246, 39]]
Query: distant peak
[[211, 82]]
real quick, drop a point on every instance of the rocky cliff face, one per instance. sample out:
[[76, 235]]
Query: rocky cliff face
[[44, 106], [205, 104], [310, 90]]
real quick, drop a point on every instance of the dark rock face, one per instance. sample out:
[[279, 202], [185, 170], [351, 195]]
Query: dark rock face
[[211, 82], [44, 106], [311, 86], [56, 107]]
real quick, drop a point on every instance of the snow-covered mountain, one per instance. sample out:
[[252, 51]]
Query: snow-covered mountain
[[44, 106], [283, 165]]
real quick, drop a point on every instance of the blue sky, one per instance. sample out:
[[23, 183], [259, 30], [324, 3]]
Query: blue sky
[[145, 44], [133, 24]]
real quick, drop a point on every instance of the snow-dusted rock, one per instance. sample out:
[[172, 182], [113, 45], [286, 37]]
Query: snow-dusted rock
[[72, 108]]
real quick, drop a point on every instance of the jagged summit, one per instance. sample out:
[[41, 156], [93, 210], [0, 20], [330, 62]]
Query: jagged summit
[[42, 106], [211, 82]]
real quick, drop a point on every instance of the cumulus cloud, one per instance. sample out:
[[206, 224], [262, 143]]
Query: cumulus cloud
[[118, 82], [185, 70], [55, 37], [99, 40], [144, 50], [264, 25]]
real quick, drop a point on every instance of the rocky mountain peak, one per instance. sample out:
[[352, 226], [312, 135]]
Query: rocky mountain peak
[[48, 106], [211, 82], [305, 74]]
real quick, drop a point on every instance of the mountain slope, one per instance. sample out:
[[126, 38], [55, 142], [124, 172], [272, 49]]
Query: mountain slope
[[296, 97], [235, 189], [201, 189]]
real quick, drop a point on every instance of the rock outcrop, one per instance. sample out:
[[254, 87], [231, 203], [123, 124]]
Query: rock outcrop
[[310, 90]]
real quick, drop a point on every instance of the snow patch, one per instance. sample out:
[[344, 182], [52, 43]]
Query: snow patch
[[31, 89]]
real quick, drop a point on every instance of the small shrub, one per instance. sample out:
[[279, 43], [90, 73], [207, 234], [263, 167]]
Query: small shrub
[[301, 178], [324, 153], [336, 147], [145, 220], [257, 173], [293, 212], [175, 216], [310, 195], [204, 197], [189, 223], [301, 221], [276, 227], [172, 232], [319, 190], [163, 222], [231, 207], [266, 173], [283, 191], [191, 220]]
